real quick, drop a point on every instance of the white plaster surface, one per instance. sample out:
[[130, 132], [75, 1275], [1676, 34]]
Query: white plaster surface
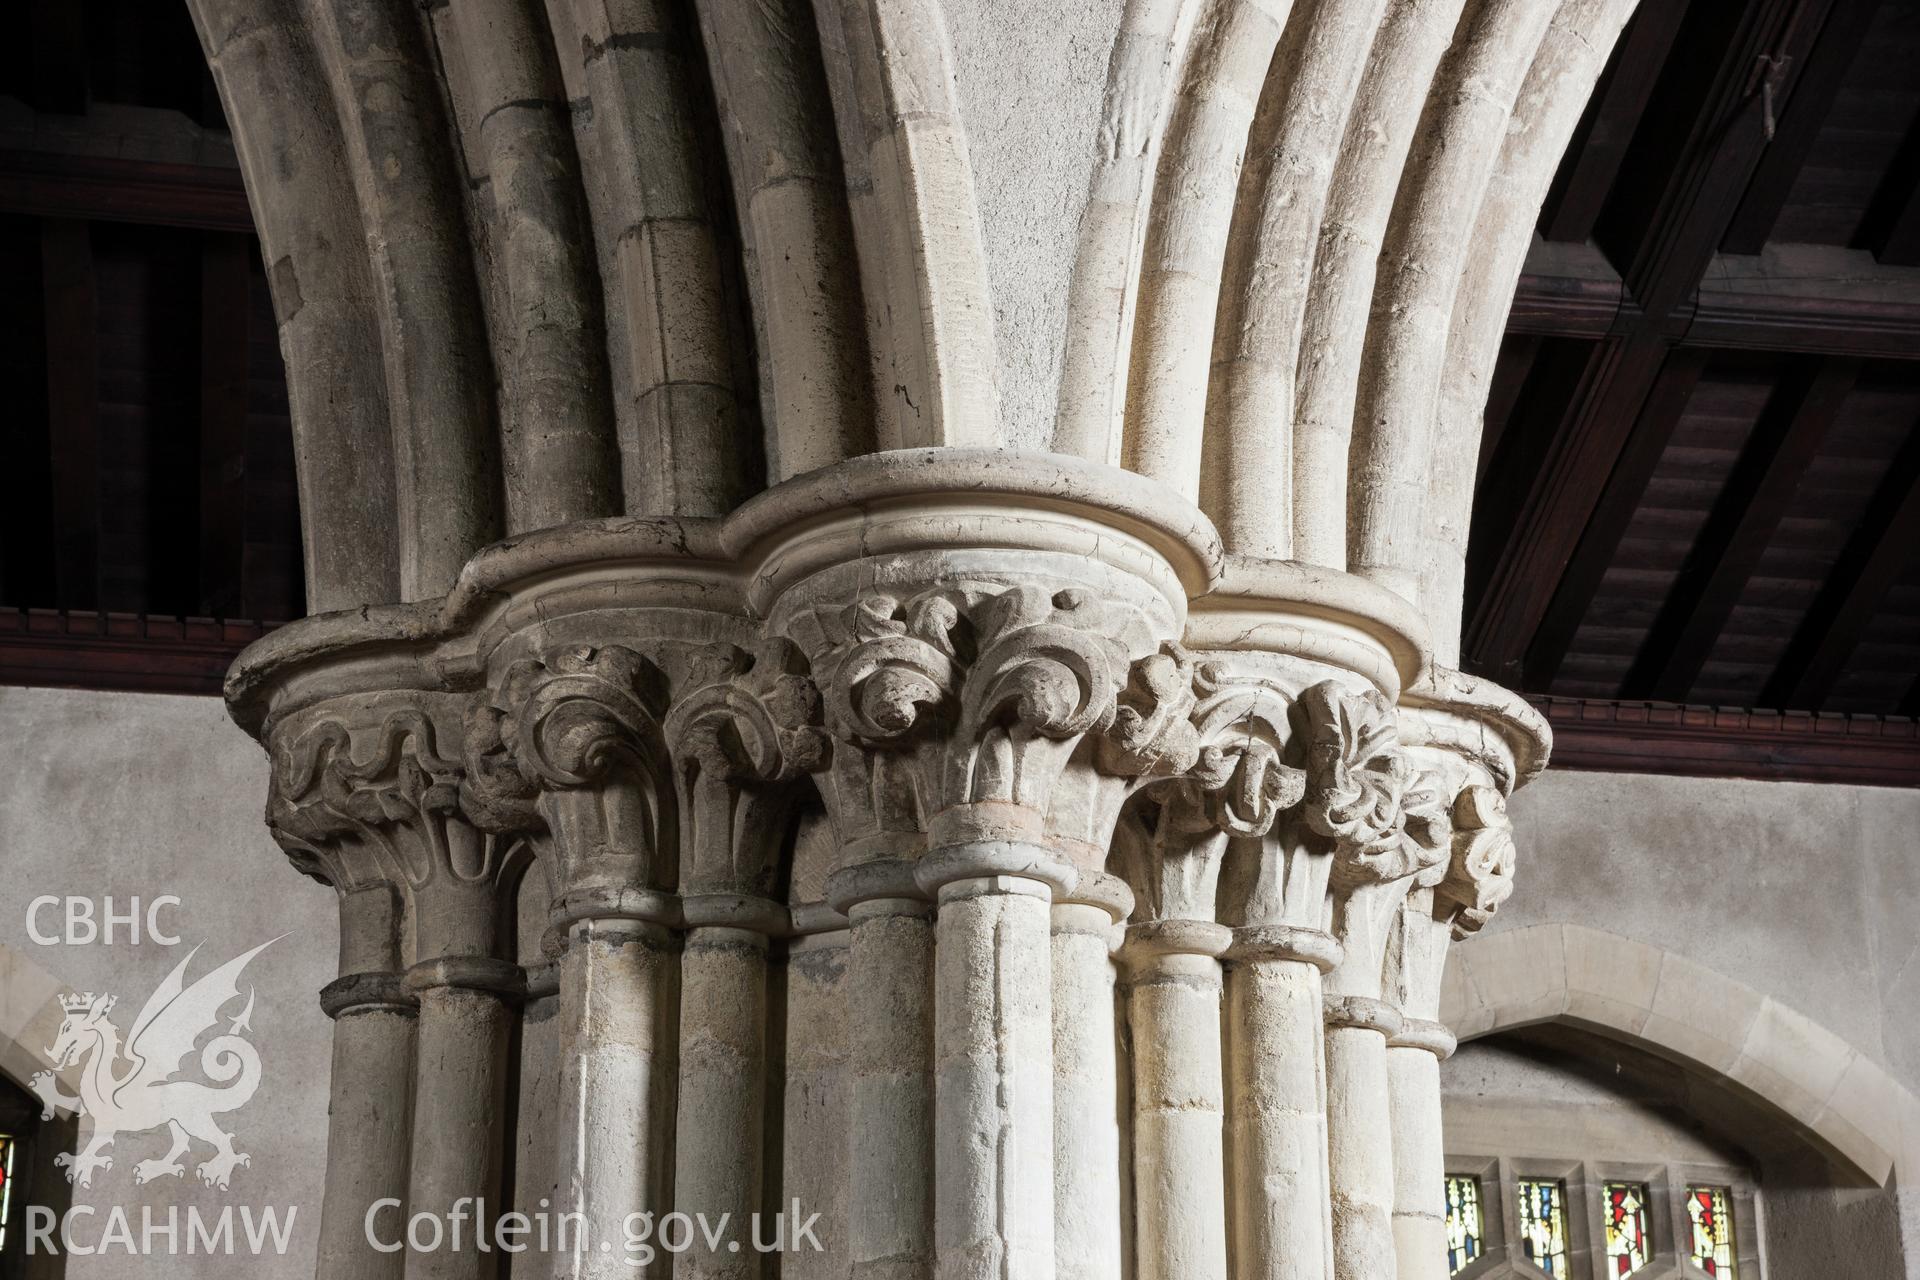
[[1030, 93], [141, 795], [1803, 892]]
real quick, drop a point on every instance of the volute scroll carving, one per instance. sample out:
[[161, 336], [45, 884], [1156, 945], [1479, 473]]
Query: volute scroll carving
[[1387, 819], [570, 749], [1480, 873], [366, 794], [744, 734]]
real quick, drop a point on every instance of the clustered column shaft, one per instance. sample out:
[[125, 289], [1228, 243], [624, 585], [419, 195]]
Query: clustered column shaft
[[1087, 1157], [1277, 1098], [370, 1103], [993, 1070], [615, 1113], [890, 997], [1178, 1102], [936, 890]]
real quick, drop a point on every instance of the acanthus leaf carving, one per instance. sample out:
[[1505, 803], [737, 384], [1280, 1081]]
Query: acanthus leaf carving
[[1046, 674], [1387, 820], [572, 749], [1153, 734], [1480, 872], [746, 728], [895, 660], [390, 811], [1243, 777]]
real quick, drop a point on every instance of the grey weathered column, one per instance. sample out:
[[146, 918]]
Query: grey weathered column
[[370, 1095], [719, 1138], [374, 764], [468, 1004], [572, 743], [890, 1001], [614, 1117], [742, 733], [370, 1102], [817, 1123], [1087, 1217], [973, 618]]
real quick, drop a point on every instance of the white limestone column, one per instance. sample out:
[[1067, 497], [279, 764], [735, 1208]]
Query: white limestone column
[[1456, 897], [1088, 1244], [993, 1061], [370, 1099], [890, 962], [1360, 1167], [615, 1115], [1419, 1148], [1174, 979], [1277, 1102], [719, 1151]]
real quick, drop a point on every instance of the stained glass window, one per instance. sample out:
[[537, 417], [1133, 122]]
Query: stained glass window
[[6, 1186], [1627, 1246], [1464, 1225], [1543, 1224], [1712, 1218]]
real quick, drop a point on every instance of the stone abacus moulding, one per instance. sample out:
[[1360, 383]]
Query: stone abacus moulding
[[1019, 693]]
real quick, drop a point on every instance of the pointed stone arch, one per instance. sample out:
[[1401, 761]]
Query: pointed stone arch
[[1692, 1015]]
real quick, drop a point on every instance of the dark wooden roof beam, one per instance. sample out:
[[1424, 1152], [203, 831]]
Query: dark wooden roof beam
[[1797, 125], [1541, 490], [72, 336], [1581, 188], [1874, 557], [111, 189], [1724, 555], [1805, 298], [1892, 226], [1600, 540], [1691, 212]]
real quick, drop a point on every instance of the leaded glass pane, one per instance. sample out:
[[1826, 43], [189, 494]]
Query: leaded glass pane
[[1543, 1225], [1627, 1245], [1464, 1224], [1712, 1217], [6, 1186]]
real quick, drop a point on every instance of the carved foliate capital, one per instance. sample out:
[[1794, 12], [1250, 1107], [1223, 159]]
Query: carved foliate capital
[[1047, 670], [1387, 819], [1153, 733], [745, 730], [570, 747], [1243, 778], [1480, 871], [365, 793], [892, 662], [975, 699]]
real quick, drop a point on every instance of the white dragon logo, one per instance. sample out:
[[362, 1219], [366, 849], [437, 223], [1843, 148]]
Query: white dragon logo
[[144, 1095]]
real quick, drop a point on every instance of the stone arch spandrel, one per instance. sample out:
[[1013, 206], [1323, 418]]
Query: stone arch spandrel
[[1692, 1015]]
